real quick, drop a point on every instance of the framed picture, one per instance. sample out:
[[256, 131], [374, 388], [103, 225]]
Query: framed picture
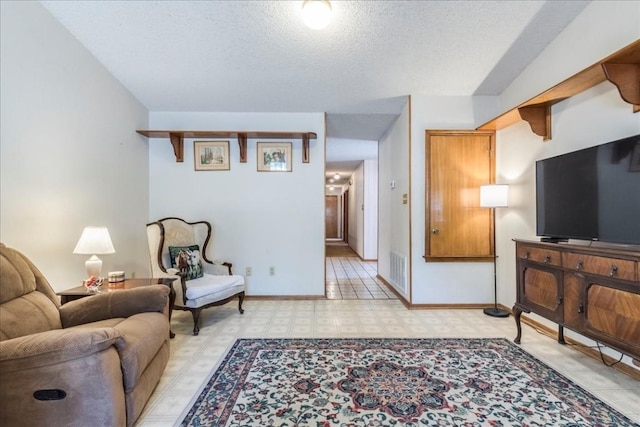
[[274, 157], [211, 155]]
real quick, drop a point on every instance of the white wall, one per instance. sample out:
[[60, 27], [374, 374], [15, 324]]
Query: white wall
[[260, 219], [69, 153], [602, 28], [448, 283], [363, 210], [393, 216], [595, 116], [344, 149], [443, 282], [370, 225], [356, 211]]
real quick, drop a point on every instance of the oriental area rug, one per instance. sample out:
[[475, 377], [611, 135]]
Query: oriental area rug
[[391, 382]]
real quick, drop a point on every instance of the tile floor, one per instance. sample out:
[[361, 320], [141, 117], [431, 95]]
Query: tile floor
[[193, 358], [352, 278]]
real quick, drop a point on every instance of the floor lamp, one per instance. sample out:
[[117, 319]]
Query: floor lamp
[[494, 196]]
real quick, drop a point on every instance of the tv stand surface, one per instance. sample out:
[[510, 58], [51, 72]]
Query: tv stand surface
[[591, 290], [553, 240]]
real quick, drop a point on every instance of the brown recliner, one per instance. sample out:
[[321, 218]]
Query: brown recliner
[[91, 362]]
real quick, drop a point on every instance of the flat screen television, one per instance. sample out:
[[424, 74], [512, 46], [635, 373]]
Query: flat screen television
[[591, 194]]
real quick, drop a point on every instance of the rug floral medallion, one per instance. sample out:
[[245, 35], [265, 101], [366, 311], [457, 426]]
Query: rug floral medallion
[[392, 382]]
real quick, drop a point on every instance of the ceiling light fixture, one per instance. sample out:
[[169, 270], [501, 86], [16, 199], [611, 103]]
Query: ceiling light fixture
[[336, 176], [316, 14]]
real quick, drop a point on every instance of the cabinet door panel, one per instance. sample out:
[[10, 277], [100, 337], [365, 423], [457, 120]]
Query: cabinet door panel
[[614, 312], [541, 288]]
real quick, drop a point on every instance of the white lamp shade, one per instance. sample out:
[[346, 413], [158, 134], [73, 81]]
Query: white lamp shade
[[494, 196], [94, 240], [316, 14]]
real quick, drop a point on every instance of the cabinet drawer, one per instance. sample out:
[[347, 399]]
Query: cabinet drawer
[[542, 255], [603, 266]]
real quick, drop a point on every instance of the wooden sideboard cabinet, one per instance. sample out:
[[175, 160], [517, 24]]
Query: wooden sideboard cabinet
[[592, 291]]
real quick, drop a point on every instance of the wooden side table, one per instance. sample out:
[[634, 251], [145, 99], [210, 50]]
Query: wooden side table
[[81, 291]]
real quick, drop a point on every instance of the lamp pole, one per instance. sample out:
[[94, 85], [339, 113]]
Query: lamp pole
[[494, 196], [495, 311]]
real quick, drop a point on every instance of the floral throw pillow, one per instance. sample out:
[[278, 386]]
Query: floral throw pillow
[[187, 260]]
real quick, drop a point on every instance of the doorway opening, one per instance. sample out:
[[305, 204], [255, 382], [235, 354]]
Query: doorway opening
[[351, 227]]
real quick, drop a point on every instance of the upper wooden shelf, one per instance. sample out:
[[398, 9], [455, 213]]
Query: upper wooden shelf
[[621, 68], [177, 139]]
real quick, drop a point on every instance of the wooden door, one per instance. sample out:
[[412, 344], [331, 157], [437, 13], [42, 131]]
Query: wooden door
[[458, 163], [331, 217]]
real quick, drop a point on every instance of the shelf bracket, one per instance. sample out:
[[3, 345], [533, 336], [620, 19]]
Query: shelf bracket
[[539, 118], [626, 77], [177, 141], [176, 137], [305, 148], [242, 143]]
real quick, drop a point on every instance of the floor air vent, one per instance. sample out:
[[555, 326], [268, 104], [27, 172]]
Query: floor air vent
[[399, 271]]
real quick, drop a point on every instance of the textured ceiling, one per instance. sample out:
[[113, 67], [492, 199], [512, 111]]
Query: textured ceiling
[[257, 56]]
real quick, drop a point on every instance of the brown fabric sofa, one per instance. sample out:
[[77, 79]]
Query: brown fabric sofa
[[91, 362]]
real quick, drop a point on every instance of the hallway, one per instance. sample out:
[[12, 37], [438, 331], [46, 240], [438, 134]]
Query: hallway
[[348, 277]]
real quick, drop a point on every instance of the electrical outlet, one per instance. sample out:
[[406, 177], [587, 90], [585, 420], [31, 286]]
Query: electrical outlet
[[272, 271], [248, 271]]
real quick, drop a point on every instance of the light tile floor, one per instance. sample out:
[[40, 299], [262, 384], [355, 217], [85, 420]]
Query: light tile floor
[[352, 278], [194, 357]]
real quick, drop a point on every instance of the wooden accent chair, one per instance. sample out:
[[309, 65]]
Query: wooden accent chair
[[178, 249]]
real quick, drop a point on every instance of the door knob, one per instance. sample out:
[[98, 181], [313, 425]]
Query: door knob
[[435, 230]]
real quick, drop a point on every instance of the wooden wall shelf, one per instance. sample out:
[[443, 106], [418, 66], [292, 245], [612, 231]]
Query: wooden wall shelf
[[176, 137], [621, 68]]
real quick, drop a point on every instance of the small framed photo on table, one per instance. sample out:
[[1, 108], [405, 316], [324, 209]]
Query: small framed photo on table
[[274, 157], [211, 155]]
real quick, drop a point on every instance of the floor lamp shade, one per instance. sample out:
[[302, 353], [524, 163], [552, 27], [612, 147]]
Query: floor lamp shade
[[94, 241], [494, 196]]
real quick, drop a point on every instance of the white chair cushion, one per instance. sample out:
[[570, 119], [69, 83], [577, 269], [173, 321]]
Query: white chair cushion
[[217, 286]]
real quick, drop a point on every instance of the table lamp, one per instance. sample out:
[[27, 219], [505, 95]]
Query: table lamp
[[94, 240], [494, 196]]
